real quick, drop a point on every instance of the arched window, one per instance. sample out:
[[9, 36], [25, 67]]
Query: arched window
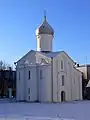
[[62, 96], [61, 64]]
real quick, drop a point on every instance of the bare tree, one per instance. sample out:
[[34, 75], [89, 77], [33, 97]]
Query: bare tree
[[1, 64], [4, 81], [5, 66]]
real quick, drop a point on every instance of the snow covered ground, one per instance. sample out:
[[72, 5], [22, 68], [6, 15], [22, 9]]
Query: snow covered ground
[[79, 110]]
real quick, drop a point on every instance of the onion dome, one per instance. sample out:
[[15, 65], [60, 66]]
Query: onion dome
[[44, 28]]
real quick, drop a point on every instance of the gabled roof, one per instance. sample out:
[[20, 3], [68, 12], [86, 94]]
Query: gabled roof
[[49, 55], [26, 55], [54, 54]]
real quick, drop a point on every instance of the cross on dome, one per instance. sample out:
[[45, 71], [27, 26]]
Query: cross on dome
[[45, 28]]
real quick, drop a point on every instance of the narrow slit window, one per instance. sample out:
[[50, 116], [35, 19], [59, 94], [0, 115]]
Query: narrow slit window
[[62, 80], [19, 75], [61, 64], [28, 90], [29, 75], [74, 81], [40, 74]]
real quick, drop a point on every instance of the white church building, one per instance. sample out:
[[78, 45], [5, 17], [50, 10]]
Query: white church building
[[47, 76]]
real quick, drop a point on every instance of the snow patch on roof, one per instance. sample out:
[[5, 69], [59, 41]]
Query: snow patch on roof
[[50, 54]]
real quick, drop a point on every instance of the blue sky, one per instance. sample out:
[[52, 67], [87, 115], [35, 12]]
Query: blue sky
[[69, 18]]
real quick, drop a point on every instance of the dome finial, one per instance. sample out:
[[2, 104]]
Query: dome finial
[[44, 14], [45, 28]]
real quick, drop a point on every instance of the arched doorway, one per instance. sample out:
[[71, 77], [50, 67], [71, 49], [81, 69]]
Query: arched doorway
[[62, 96]]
